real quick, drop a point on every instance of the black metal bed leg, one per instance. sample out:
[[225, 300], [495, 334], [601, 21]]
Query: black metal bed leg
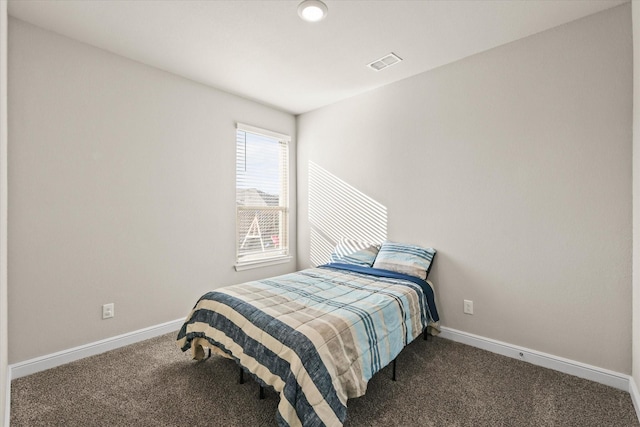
[[241, 379], [393, 377], [261, 393], [425, 334]]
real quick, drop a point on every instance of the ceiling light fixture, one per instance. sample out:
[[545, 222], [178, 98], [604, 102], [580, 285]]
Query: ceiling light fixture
[[312, 10]]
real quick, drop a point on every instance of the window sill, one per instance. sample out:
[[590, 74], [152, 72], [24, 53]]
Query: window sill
[[248, 265]]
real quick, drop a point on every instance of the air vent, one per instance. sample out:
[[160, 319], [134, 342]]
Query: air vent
[[384, 62]]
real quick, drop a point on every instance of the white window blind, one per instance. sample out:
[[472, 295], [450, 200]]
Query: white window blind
[[262, 195]]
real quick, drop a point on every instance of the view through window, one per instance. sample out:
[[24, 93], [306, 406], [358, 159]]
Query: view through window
[[262, 165]]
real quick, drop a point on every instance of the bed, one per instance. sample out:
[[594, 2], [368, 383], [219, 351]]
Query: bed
[[315, 336]]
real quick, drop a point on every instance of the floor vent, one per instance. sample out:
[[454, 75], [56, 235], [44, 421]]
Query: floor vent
[[384, 62]]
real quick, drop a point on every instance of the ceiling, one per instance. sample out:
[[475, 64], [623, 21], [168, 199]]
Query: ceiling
[[263, 51]]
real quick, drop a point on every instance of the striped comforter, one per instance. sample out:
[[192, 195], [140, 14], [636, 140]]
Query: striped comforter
[[316, 336]]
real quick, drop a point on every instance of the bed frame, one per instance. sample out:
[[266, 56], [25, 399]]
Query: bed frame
[[394, 362], [425, 336]]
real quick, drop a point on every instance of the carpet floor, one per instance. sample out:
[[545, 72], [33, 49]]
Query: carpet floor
[[440, 383]]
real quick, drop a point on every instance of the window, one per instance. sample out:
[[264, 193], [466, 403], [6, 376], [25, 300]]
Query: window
[[262, 197]]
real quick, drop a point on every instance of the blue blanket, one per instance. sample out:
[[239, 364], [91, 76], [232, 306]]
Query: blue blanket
[[316, 336], [426, 287]]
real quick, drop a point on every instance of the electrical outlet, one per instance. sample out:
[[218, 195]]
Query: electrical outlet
[[108, 311], [468, 306]]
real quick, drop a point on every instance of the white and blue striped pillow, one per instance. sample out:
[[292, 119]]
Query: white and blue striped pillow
[[406, 259], [350, 251]]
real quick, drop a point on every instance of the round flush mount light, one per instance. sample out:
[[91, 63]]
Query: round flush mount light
[[312, 10]]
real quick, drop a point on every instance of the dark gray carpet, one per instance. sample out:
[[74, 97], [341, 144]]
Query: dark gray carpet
[[440, 383]]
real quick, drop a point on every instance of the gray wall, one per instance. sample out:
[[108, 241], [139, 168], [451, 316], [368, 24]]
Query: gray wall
[[516, 165], [636, 194], [122, 188], [4, 318]]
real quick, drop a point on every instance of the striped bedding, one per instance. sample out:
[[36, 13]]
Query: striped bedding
[[316, 336]]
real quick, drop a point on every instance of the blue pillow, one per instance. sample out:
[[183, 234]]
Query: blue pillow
[[406, 259], [350, 251]]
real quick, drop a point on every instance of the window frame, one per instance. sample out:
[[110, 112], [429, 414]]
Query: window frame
[[249, 261]]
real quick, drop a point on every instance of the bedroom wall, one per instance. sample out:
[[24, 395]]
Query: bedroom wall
[[636, 197], [5, 386], [122, 183], [516, 165]]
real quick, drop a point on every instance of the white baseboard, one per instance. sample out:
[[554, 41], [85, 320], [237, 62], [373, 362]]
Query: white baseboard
[[49, 361], [582, 370], [567, 366], [635, 396]]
